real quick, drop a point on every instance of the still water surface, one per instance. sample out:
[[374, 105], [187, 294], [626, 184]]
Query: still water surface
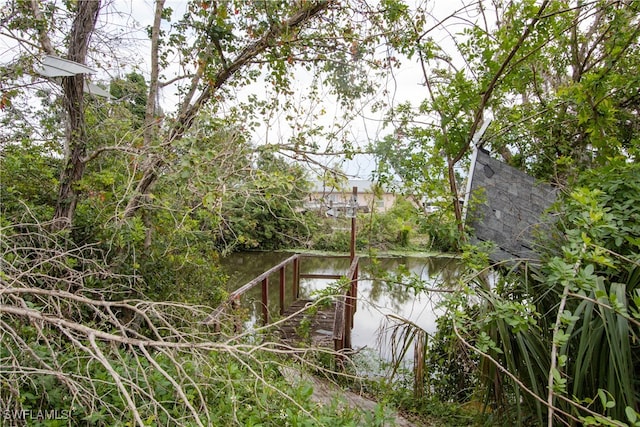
[[376, 297]]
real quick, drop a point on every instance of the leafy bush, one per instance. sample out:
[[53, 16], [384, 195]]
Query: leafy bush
[[442, 231], [571, 323], [596, 274], [336, 241], [29, 178], [267, 210]]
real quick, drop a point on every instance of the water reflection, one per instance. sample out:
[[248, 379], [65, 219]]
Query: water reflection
[[401, 294], [386, 286]]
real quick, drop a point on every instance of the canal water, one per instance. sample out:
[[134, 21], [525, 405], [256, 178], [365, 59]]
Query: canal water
[[377, 297]]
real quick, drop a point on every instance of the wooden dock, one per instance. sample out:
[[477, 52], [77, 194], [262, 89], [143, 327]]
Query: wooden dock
[[308, 324], [327, 326]]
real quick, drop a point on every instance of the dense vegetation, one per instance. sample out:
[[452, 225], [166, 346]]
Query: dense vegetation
[[115, 211]]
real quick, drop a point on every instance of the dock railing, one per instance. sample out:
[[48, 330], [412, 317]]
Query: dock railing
[[345, 300], [346, 305], [235, 297]]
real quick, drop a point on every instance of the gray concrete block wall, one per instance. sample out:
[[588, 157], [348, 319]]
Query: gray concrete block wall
[[505, 207]]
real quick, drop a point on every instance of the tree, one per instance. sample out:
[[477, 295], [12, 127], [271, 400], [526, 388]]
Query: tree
[[576, 107], [131, 91], [220, 46], [84, 15], [267, 211], [548, 74], [140, 205]]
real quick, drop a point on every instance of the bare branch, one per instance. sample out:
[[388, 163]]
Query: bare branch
[[45, 42], [121, 148]]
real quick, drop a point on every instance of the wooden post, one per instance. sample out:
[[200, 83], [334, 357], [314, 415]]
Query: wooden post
[[296, 279], [348, 320], [354, 290], [353, 223], [354, 279], [265, 300], [237, 320], [282, 286]]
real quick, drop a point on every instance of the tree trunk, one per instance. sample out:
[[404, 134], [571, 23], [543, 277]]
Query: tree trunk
[[74, 153], [150, 112], [73, 90], [453, 187]]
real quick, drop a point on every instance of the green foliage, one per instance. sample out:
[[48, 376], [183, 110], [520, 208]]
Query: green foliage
[[402, 227], [598, 266], [77, 347], [393, 228], [327, 239], [182, 266], [267, 212], [131, 91], [453, 375], [563, 95], [590, 273], [225, 386], [603, 213], [415, 158], [433, 411], [412, 156], [576, 109], [440, 386], [442, 231], [333, 289], [29, 177]]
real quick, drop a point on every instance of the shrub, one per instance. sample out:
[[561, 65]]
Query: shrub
[[571, 322]]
